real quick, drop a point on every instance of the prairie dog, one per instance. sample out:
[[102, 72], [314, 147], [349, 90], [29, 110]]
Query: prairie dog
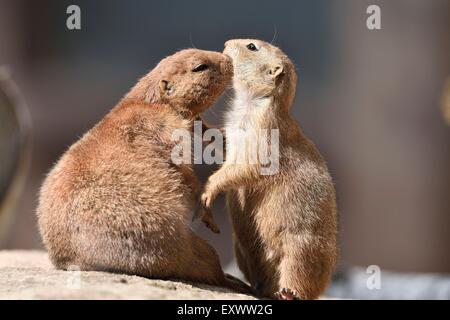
[[285, 224], [116, 202]]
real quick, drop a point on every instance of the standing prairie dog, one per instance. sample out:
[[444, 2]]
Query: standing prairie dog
[[285, 224], [116, 202]]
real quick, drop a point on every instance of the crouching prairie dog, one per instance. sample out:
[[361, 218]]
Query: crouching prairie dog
[[284, 221], [116, 202]]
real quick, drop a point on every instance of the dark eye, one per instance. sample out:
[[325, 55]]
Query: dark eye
[[200, 67], [252, 47]]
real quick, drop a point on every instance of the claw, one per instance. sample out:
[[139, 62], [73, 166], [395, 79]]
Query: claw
[[208, 220], [287, 294]]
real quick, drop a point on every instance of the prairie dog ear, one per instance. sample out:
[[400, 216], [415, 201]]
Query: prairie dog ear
[[275, 71], [166, 87]]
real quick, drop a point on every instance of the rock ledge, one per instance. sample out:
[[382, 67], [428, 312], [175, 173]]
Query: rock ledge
[[30, 275]]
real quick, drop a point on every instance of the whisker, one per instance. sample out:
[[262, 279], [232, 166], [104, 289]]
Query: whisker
[[274, 33], [190, 40]]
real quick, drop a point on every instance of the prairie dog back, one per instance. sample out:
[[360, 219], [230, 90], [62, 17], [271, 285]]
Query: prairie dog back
[[116, 202]]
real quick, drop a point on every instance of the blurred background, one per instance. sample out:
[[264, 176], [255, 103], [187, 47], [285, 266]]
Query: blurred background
[[369, 99]]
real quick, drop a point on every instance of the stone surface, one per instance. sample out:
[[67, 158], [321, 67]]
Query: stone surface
[[30, 275]]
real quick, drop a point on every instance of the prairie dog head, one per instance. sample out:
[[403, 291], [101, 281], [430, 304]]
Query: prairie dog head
[[189, 81], [262, 70]]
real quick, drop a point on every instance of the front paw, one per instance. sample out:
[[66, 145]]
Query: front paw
[[205, 200], [208, 219], [287, 294]]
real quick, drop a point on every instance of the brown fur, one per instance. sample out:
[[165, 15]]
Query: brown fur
[[285, 224], [116, 202]]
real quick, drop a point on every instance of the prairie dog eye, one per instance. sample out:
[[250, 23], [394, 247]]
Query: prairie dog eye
[[252, 47], [200, 67]]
